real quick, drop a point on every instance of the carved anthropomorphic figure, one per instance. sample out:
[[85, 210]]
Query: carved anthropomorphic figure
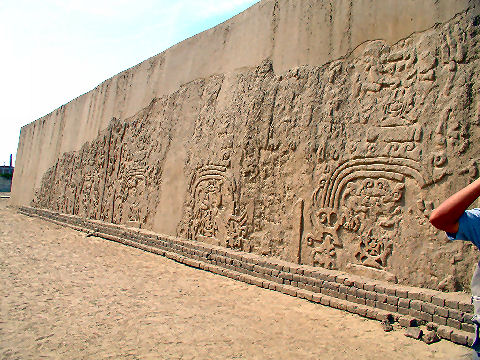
[[459, 223]]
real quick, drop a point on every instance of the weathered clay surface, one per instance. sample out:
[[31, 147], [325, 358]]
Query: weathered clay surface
[[335, 166], [289, 32]]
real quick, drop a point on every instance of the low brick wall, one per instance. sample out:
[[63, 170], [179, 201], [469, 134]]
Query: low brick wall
[[449, 315]]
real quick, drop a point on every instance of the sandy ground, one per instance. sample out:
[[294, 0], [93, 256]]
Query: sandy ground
[[66, 296]]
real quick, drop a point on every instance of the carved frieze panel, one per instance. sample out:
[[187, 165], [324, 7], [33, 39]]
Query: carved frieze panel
[[357, 211], [402, 136], [114, 178], [337, 166], [212, 209]]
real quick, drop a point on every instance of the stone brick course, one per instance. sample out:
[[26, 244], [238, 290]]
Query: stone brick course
[[364, 297]]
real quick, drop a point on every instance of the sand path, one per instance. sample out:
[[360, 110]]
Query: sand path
[[66, 296]]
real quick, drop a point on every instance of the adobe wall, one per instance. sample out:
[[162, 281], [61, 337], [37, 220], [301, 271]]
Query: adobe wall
[[283, 148], [290, 32]]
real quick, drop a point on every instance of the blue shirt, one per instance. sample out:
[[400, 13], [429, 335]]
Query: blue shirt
[[468, 227]]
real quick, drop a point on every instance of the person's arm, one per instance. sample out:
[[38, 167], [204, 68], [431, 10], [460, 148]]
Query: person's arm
[[446, 216]]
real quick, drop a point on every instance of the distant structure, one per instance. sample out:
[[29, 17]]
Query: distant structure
[[6, 174]]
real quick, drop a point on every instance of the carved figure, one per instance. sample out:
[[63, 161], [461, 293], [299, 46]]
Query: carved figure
[[214, 214], [365, 208]]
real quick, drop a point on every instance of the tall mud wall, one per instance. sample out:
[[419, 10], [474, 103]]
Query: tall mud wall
[[289, 32], [337, 165]]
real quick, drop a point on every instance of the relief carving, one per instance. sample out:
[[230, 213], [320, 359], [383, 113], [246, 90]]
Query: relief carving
[[107, 179], [330, 166], [366, 211], [377, 214], [214, 216]]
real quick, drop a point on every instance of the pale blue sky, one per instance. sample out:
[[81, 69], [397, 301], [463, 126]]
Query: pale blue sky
[[55, 50]]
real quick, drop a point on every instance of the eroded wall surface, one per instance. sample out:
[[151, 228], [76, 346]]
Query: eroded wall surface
[[335, 166], [289, 32]]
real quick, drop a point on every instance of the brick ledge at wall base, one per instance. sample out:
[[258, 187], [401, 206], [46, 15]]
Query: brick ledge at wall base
[[451, 318]]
